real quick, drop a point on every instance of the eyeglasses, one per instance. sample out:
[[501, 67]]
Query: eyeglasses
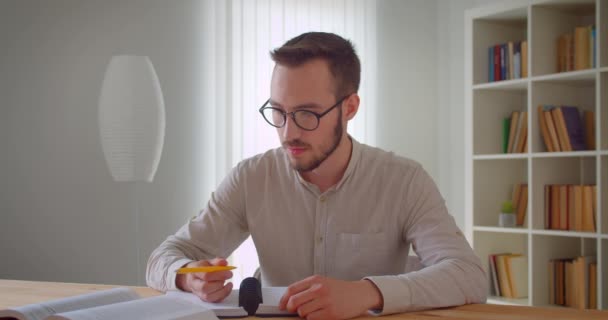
[[305, 119]]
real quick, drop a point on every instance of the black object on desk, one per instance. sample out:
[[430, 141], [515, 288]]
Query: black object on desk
[[250, 295]]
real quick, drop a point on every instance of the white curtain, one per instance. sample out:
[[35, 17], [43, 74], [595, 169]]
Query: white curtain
[[243, 34]]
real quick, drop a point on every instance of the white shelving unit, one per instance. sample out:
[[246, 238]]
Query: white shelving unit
[[490, 174]]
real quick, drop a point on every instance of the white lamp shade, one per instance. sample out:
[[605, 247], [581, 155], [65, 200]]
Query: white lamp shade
[[131, 118]]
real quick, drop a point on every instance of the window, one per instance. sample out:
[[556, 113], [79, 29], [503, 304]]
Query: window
[[253, 29]]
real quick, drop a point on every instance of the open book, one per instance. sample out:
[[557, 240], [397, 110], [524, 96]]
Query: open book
[[126, 304]]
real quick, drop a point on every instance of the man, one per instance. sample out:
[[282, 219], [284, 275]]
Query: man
[[331, 218]]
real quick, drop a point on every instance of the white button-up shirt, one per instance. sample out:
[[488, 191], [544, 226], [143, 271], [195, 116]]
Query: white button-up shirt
[[362, 227]]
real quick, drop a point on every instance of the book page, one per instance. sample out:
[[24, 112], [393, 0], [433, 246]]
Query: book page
[[155, 308], [40, 311], [229, 307]]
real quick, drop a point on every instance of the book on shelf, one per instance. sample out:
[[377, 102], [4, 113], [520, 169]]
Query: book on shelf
[[515, 132], [510, 62], [503, 276], [512, 129], [570, 207], [563, 129], [544, 130], [560, 127], [504, 60], [576, 50], [524, 59], [581, 48], [554, 208], [574, 127], [497, 72], [563, 207], [589, 129], [494, 287], [519, 199], [547, 207], [509, 275], [573, 282], [518, 275], [522, 133], [125, 303], [506, 124], [593, 285], [593, 45], [517, 60], [507, 61], [552, 277], [551, 128], [588, 209], [491, 64]]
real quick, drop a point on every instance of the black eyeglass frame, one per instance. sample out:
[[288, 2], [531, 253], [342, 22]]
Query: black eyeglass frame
[[293, 114]]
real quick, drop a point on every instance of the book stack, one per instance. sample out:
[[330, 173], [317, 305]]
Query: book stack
[[509, 275], [508, 61], [570, 207], [520, 202], [515, 133], [563, 128], [573, 282], [577, 50]]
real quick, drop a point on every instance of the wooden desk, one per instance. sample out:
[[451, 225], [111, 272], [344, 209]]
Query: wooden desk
[[16, 293]]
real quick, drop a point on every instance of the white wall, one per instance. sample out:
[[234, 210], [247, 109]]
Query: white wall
[[61, 215], [62, 218], [421, 88], [407, 80], [450, 91]]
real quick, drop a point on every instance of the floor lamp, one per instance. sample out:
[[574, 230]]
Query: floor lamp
[[132, 123]]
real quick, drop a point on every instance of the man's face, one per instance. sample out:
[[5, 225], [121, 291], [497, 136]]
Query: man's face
[[307, 87]]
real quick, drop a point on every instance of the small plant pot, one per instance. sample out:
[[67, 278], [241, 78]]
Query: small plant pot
[[506, 220]]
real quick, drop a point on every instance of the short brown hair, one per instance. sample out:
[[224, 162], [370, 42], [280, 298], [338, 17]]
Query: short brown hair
[[340, 54]]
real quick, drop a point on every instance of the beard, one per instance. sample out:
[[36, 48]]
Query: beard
[[326, 151]]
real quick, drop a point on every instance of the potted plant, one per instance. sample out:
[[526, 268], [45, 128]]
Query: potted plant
[[507, 217]]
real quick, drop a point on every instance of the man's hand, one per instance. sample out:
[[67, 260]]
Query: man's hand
[[319, 297], [209, 286]]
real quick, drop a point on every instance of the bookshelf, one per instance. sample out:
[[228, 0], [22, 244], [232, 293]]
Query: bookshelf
[[490, 174]]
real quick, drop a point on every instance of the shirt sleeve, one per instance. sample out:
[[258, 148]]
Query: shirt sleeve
[[218, 229], [453, 274]]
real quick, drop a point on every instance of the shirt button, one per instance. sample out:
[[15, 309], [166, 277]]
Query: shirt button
[[320, 240], [323, 198]]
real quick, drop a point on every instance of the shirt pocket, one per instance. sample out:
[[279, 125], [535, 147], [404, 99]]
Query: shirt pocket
[[359, 255]]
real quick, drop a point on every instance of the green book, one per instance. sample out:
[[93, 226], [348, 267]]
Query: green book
[[506, 125]]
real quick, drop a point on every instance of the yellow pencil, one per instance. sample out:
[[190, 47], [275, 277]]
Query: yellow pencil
[[204, 269]]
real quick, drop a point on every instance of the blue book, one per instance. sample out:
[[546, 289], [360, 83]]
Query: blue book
[[593, 47], [574, 126]]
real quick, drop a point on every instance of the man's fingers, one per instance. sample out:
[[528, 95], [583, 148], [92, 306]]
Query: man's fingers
[[212, 286], [219, 262], [320, 314], [214, 276], [314, 292], [296, 288], [304, 309], [196, 285], [219, 295]]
